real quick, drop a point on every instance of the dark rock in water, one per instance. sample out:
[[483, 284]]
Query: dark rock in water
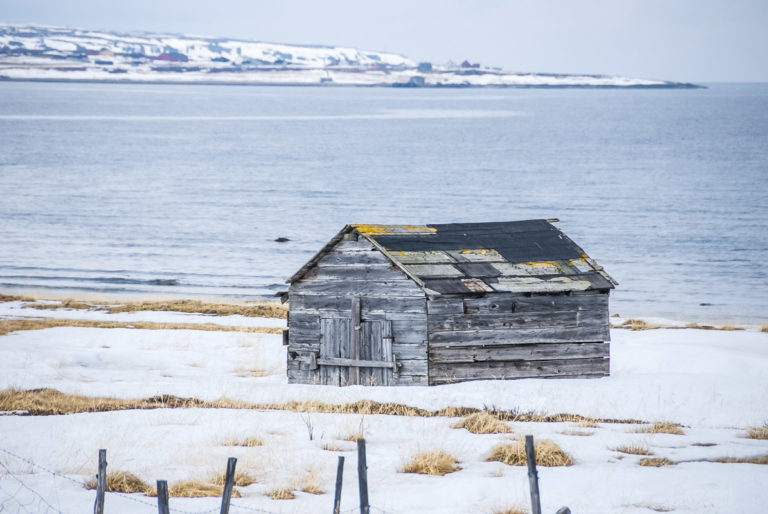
[[281, 240], [705, 304]]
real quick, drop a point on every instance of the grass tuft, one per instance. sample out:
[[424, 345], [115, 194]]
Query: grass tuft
[[436, 462], [122, 482], [761, 459], [661, 427], [547, 454], [483, 423], [510, 510], [758, 432], [249, 442], [764, 328], [65, 304], [311, 484], [583, 433], [634, 449], [656, 462], [281, 493], [198, 489], [332, 447], [242, 479]]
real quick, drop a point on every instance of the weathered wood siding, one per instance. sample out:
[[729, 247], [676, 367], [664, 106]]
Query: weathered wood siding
[[357, 269], [503, 336]]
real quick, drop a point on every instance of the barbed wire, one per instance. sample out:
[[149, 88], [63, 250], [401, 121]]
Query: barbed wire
[[251, 509], [35, 503]]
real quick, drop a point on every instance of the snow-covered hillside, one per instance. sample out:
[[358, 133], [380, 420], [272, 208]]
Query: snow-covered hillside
[[32, 52]]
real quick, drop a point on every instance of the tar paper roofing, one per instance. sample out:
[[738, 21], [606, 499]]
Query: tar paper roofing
[[470, 258]]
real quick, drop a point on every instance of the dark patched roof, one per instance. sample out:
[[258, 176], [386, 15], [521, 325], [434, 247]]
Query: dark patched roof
[[455, 258]]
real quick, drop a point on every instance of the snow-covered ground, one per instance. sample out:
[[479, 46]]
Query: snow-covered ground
[[713, 382]]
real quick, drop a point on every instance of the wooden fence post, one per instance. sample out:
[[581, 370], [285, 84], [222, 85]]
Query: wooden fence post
[[229, 483], [337, 495], [533, 477], [101, 483], [162, 497], [362, 476]]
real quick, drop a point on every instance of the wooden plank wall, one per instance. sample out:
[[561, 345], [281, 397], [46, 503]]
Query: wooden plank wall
[[516, 336], [356, 268]]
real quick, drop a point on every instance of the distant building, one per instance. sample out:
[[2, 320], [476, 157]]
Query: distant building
[[467, 64], [425, 67], [172, 57]]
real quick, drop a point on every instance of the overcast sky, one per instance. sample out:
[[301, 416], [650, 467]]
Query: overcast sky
[[685, 40]]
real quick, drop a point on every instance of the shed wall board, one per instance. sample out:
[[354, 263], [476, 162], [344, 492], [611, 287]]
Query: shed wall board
[[357, 269]]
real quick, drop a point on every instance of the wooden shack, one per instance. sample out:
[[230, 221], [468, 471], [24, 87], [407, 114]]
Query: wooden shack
[[435, 304]]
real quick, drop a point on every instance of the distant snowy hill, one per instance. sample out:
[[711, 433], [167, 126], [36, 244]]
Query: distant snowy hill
[[32, 52]]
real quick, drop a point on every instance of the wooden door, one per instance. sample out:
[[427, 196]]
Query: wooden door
[[334, 344], [339, 359], [376, 345]]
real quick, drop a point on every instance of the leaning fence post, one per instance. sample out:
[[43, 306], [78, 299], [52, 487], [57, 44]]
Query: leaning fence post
[[229, 483], [162, 497], [362, 476], [533, 477], [101, 483], [337, 495]]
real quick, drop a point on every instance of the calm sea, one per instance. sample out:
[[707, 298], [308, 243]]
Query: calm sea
[[183, 189]]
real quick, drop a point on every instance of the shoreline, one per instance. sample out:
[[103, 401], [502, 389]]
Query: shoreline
[[395, 85]]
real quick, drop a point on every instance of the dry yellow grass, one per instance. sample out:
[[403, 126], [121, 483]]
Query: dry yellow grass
[[760, 459], [15, 325], [634, 449], [354, 436], [332, 447], [547, 454], [122, 482], [712, 327], [758, 432], [311, 483], [764, 328], [435, 462], [264, 309], [198, 489], [44, 402], [270, 309], [638, 324], [483, 423], [656, 462], [661, 427], [65, 304], [588, 423], [583, 433], [249, 442], [242, 479], [281, 493], [510, 510], [258, 372], [15, 298]]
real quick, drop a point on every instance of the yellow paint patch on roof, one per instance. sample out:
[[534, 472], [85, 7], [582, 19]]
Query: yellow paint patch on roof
[[378, 230]]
